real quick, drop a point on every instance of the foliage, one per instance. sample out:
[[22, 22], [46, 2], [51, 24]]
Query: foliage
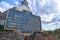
[[1, 27], [45, 32], [57, 31], [9, 30]]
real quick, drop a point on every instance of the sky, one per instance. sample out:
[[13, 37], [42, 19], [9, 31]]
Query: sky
[[48, 10]]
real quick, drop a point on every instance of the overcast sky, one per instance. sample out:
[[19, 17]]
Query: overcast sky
[[48, 10]]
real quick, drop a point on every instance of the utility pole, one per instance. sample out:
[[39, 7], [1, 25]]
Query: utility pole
[[57, 25]]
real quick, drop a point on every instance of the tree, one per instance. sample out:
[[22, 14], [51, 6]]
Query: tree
[[57, 31], [1, 27]]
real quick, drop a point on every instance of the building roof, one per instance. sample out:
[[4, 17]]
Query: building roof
[[24, 6]]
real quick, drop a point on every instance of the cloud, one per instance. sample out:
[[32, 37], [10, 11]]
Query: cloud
[[48, 10], [58, 5], [50, 26], [33, 5], [50, 17], [5, 6], [53, 23], [2, 9], [46, 17], [41, 2], [16, 3]]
